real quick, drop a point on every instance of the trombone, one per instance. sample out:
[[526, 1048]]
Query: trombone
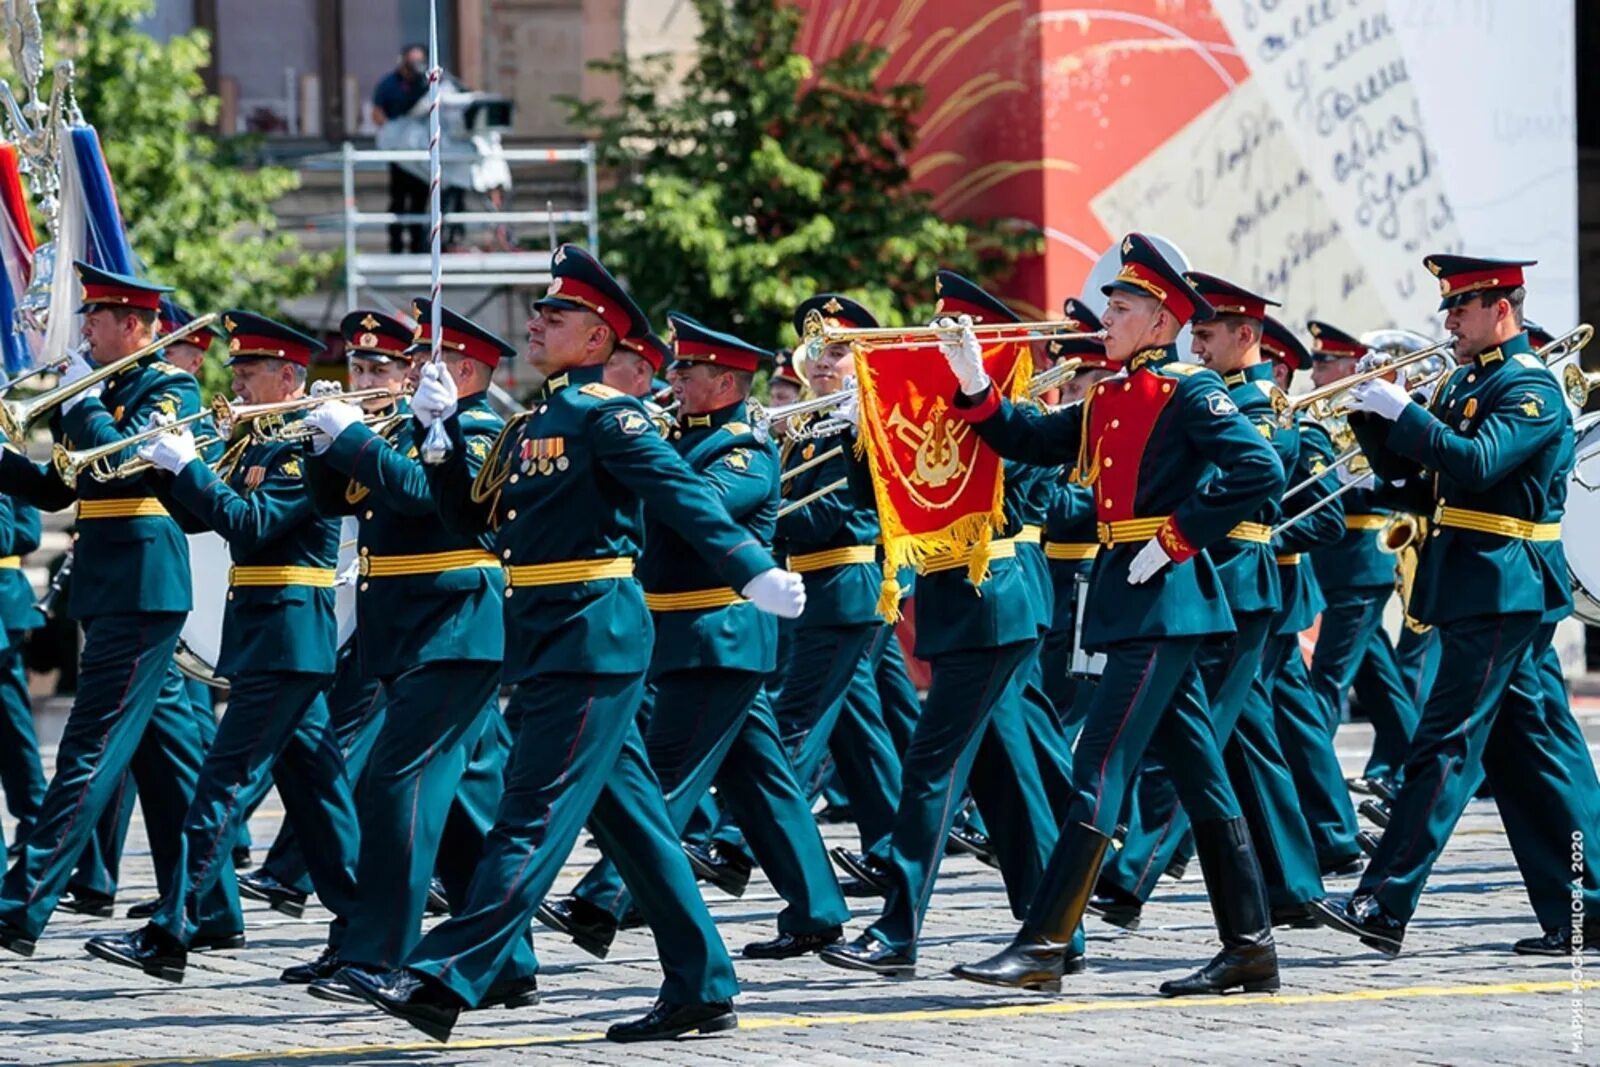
[[55, 366], [17, 415], [817, 331]]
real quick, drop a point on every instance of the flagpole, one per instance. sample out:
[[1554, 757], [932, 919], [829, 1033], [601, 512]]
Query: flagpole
[[436, 445]]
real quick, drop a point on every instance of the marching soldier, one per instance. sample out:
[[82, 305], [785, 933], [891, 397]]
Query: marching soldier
[[1160, 596], [278, 651], [563, 491], [713, 652], [1487, 458], [428, 609], [21, 773], [131, 591], [974, 731]]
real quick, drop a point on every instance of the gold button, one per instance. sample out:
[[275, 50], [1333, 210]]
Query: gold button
[[1115, 423], [230, 594], [1167, 388], [541, 409], [1126, 386], [512, 514], [508, 593], [1106, 504], [363, 550], [513, 478], [368, 515], [1106, 462], [364, 587], [1471, 378], [506, 554]]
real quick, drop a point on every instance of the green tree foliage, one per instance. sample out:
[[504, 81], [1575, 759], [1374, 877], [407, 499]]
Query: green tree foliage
[[196, 219], [765, 180]]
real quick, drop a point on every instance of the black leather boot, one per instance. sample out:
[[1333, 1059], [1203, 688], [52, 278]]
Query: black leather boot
[[1249, 959], [1038, 956]]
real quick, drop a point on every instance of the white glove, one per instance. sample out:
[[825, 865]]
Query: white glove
[[436, 395], [170, 451], [777, 592], [1383, 399], [963, 354], [1151, 558], [78, 368], [333, 418], [326, 387], [850, 411]]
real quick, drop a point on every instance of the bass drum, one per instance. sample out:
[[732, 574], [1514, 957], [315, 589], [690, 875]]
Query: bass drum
[[1580, 526], [200, 642]]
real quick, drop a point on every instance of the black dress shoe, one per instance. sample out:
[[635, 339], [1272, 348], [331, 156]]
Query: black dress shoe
[[280, 898], [1253, 970], [1375, 811], [836, 815], [14, 940], [862, 867], [722, 866], [1559, 942], [87, 902], [855, 888], [964, 839], [1177, 868], [632, 919], [1384, 789], [1368, 842], [1029, 962], [149, 949], [788, 946], [867, 953], [241, 858], [216, 942], [326, 965], [422, 1002], [145, 909], [1345, 868], [1362, 916], [338, 987], [1116, 905], [1295, 917], [591, 928], [438, 903], [1238, 892], [674, 1020], [511, 993]]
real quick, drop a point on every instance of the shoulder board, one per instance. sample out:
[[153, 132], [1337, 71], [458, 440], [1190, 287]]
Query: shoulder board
[[1268, 389], [736, 428], [600, 391], [480, 415], [1184, 369], [161, 366], [1527, 359]]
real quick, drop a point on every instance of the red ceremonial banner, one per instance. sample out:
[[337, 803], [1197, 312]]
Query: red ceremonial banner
[[939, 489]]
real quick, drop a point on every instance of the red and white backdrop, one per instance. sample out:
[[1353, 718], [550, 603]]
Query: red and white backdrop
[[1314, 150]]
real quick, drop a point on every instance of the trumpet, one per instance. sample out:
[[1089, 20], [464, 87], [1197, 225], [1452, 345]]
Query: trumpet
[[1578, 383], [69, 464], [17, 415], [762, 417], [1054, 378], [1317, 400], [817, 331], [267, 420], [55, 366]]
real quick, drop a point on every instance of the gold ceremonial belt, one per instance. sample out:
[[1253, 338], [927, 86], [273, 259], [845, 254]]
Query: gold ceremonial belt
[[1115, 533], [1029, 535], [423, 563], [1291, 559], [131, 507], [1503, 525], [693, 600], [949, 561], [320, 577], [1254, 532], [1365, 522], [807, 562], [567, 572], [1071, 549], [10, 563]]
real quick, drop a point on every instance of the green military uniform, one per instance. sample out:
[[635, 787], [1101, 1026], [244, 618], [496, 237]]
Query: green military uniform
[[428, 612], [1407, 666], [712, 654], [1495, 442], [1070, 546], [131, 592], [21, 773]]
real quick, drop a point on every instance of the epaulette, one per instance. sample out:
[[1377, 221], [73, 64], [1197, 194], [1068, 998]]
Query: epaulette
[[1268, 389], [600, 391], [736, 428], [1528, 359], [167, 368], [1184, 369], [481, 415]]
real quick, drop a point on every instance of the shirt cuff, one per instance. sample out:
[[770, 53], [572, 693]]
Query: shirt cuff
[[1174, 543], [976, 408]]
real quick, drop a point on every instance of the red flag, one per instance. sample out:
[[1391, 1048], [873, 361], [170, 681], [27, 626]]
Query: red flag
[[939, 489]]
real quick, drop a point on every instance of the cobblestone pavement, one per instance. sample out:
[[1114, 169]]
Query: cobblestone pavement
[[1457, 995]]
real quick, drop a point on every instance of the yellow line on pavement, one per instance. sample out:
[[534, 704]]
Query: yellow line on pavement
[[807, 1022]]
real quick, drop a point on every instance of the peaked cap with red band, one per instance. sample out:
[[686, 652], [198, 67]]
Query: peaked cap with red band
[[174, 316], [1462, 276], [1280, 343], [1226, 298], [457, 334], [1146, 272], [102, 288], [1538, 336], [694, 342], [374, 335], [580, 282], [962, 296], [1084, 320], [835, 310], [252, 336], [651, 348], [785, 370], [1330, 342]]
